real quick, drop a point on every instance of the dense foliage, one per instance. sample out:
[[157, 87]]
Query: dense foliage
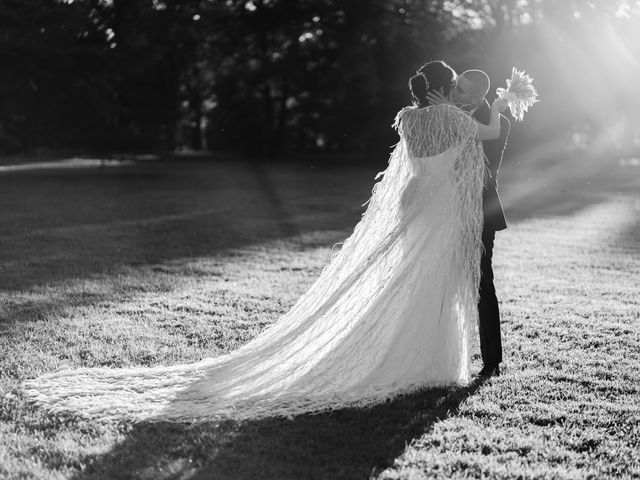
[[263, 75]]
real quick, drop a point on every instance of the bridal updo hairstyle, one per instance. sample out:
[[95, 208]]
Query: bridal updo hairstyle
[[432, 76]]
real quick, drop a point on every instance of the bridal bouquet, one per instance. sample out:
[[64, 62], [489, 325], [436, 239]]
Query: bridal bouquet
[[520, 93]]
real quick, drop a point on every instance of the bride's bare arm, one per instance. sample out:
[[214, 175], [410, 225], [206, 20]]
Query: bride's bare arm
[[492, 131], [485, 132]]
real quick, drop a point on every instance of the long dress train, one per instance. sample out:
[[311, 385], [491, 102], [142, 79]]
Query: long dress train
[[394, 310]]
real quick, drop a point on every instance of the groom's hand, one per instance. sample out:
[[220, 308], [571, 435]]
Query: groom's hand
[[437, 98]]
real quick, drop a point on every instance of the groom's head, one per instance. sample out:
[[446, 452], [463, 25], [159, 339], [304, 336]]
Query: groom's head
[[471, 88]]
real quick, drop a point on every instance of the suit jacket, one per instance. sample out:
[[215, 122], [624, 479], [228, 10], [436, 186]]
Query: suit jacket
[[493, 149]]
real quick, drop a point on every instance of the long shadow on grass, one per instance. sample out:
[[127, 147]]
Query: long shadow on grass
[[77, 224], [563, 187], [344, 444]]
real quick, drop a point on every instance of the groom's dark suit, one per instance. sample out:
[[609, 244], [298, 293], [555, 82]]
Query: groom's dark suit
[[490, 341]]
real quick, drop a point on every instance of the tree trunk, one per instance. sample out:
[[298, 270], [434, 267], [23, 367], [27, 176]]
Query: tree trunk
[[278, 139]]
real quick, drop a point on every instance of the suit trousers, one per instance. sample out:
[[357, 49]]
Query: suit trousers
[[489, 313]]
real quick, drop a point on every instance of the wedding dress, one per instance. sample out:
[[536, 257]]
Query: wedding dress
[[394, 311]]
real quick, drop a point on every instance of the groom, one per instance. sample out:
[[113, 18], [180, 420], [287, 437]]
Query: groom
[[469, 93]]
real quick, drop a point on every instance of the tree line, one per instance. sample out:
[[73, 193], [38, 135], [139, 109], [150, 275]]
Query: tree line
[[264, 76]]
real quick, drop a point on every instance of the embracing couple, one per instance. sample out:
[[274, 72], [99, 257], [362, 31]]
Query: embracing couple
[[468, 91], [397, 309]]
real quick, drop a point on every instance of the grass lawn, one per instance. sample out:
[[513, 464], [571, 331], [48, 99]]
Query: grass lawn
[[159, 263]]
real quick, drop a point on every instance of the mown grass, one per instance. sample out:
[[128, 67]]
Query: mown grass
[[163, 263]]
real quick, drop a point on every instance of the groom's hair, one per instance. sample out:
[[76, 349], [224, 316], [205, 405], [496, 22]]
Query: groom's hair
[[480, 81]]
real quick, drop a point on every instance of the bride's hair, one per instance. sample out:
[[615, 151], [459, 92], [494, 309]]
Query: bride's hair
[[432, 76]]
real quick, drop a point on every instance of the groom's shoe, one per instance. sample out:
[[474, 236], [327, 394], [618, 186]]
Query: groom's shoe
[[489, 371]]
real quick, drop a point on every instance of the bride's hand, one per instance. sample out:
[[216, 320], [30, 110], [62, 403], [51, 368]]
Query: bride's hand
[[437, 98], [501, 104]]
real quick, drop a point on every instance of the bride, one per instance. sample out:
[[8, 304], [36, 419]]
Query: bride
[[394, 311]]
